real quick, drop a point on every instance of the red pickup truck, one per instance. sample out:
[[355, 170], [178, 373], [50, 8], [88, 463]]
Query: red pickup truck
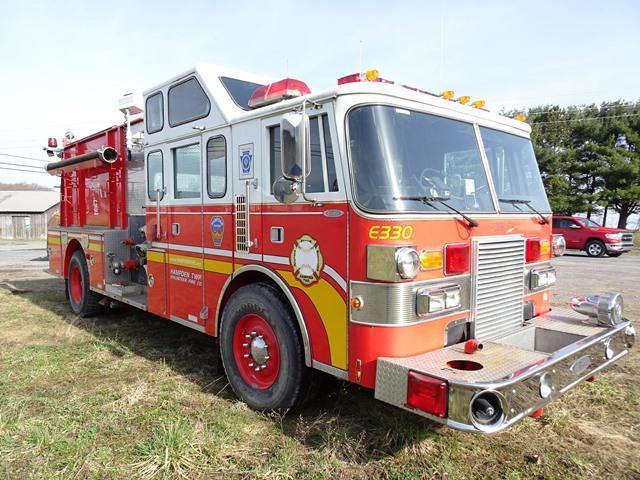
[[584, 234]]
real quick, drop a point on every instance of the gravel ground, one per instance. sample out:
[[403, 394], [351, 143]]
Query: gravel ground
[[27, 255]]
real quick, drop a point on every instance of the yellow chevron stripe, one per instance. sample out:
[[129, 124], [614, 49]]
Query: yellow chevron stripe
[[333, 312]]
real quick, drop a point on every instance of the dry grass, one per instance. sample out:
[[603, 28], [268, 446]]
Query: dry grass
[[126, 395]]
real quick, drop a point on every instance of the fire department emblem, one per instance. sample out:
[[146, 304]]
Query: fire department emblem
[[306, 260], [217, 230]]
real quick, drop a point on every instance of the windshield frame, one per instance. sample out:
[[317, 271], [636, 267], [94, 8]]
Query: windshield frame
[[442, 211], [476, 123]]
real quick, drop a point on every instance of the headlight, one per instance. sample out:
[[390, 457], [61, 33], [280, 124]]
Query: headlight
[[437, 299], [559, 245], [408, 262], [615, 237]]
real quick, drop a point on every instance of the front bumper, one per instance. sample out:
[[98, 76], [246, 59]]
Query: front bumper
[[618, 247], [560, 349]]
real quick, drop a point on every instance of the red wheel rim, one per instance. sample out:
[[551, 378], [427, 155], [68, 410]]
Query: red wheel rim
[[75, 281], [256, 351]]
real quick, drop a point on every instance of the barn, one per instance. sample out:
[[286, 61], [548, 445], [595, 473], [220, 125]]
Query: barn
[[24, 213]]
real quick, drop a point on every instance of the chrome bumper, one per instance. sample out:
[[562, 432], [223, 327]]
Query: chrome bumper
[[559, 349], [618, 247]]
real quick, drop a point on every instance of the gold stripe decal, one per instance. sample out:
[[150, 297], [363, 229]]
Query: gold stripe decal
[[218, 266], [154, 256], [54, 240], [96, 247]]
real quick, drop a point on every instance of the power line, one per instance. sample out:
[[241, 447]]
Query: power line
[[21, 170], [584, 119], [20, 165], [572, 110], [25, 158]]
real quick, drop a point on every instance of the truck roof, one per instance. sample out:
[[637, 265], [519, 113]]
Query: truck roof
[[232, 113]]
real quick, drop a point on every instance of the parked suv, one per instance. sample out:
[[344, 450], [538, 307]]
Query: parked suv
[[584, 234]]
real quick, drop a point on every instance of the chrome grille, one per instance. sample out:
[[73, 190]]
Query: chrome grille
[[498, 285], [627, 239]]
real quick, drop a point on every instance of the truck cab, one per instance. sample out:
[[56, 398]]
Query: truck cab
[[584, 234], [385, 235]]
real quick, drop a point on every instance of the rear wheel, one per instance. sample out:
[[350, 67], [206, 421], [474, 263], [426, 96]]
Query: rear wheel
[[595, 248], [83, 301], [261, 349]]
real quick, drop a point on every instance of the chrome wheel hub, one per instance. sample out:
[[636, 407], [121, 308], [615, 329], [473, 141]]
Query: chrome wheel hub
[[258, 351]]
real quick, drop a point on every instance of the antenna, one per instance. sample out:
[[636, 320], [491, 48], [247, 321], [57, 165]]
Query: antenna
[[360, 60], [441, 44]]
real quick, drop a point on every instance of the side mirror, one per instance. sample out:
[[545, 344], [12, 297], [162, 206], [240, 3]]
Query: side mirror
[[285, 190], [294, 128]]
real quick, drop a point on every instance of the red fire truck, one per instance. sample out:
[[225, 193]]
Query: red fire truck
[[388, 236]]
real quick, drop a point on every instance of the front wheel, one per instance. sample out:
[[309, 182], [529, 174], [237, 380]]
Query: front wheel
[[261, 349], [595, 248]]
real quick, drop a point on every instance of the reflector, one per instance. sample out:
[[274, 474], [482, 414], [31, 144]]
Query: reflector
[[427, 394]]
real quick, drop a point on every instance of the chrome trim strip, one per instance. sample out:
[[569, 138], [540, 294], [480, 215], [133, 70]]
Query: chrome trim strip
[[331, 370], [218, 251], [187, 323], [394, 304]]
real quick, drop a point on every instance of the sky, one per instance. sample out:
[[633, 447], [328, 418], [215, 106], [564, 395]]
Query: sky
[[65, 64]]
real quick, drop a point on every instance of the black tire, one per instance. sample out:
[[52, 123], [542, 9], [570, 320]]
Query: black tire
[[595, 248], [614, 254], [290, 386], [83, 301]]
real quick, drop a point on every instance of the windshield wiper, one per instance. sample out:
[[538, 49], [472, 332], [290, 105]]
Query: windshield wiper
[[520, 201], [426, 199]]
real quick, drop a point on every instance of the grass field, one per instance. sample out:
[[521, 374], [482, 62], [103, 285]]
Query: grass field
[[126, 395]]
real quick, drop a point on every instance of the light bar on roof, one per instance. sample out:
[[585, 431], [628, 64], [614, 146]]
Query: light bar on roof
[[278, 91]]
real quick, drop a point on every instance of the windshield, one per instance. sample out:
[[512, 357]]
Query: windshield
[[403, 153], [515, 171], [589, 223]]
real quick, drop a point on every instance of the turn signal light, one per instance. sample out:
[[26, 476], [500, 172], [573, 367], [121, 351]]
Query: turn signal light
[[427, 394], [456, 258], [430, 260]]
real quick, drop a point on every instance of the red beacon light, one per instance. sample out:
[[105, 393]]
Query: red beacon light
[[278, 91], [52, 142]]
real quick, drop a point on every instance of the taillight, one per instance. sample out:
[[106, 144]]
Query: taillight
[[536, 248], [456, 258], [427, 394]]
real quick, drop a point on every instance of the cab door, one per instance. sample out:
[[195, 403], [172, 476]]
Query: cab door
[[247, 172], [185, 232], [306, 241], [217, 218]]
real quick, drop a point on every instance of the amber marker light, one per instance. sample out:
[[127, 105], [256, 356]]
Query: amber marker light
[[464, 99], [448, 94], [521, 117], [371, 75], [430, 260], [479, 104]]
